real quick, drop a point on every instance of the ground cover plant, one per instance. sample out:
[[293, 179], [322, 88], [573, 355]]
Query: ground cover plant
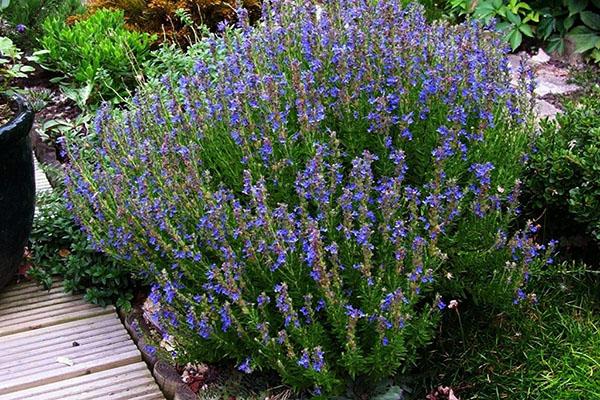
[[551, 353], [59, 248], [300, 206], [564, 172]]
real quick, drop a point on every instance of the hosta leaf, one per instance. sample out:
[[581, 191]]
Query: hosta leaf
[[591, 19]]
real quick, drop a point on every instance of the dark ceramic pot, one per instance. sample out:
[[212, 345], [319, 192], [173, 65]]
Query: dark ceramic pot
[[17, 188]]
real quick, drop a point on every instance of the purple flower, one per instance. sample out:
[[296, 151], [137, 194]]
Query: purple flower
[[304, 360], [21, 28], [245, 366]]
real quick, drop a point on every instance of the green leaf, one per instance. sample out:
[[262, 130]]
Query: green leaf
[[584, 41], [546, 27], [576, 6], [4, 4], [591, 19], [556, 44], [526, 30], [569, 22], [513, 18], [515, 38]]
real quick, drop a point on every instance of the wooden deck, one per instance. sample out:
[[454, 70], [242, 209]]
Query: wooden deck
[[42, 332], [41, 182], [56, 346]]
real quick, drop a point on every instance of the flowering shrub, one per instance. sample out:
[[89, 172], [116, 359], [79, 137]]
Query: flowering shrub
[[296, 205]]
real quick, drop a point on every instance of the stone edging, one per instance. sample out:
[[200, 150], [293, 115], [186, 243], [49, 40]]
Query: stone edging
[[164, 373]]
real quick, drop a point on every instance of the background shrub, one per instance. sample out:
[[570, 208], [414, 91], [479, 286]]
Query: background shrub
[[295, 205], [98, 55], [556, 22], [172, 18], [563, 179]]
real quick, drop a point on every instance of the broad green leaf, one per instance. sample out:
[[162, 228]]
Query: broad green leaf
[[584, 42], [526, 30], [546, 27], [569, 22], [513, 18], [576, 6], [4, 4], [515, 38], [556, 45], [591, 19]]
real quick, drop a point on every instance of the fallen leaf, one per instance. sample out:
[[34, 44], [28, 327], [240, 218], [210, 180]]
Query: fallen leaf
[[65, 360], [64, 252]]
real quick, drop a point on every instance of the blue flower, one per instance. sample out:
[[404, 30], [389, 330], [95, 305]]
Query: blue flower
[[245, 366]]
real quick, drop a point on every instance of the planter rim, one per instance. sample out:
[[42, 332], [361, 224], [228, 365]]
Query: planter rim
[[10, 132]]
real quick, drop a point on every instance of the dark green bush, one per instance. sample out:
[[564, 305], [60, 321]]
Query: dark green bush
[[98, 54], [563, 181], [59, 247], [556, 22]]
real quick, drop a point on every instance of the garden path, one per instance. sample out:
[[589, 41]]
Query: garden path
[[552, 80], [56, 346]]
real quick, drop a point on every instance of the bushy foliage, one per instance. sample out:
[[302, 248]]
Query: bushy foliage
[[26, 16], [172, 61], [60, 248], [563, 179], [295, 205], [556, 22], [97, 54], [172, 18]]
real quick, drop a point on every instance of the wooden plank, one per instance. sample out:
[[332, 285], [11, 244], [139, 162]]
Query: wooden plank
[[64, 349], [41, 181], [20, 347], [37, 327], [124, 390], [63, 372], [86, 383], [59, 330], [42, 302], [54, 320], [104, 349], [23, 288], [15, 297], [48, 311], [27, 300]]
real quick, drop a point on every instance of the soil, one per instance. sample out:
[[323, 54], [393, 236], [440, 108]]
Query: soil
[[7, 111]]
